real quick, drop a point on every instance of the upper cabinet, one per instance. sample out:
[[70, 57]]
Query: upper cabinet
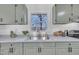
[[75, 12], [20, 14], [13, 14], [7, 13], [62, 13], [65, 13]]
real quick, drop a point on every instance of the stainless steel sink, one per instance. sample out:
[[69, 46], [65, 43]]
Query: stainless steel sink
[[36, 38]]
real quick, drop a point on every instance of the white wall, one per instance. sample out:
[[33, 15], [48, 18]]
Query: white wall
[[5, 29]]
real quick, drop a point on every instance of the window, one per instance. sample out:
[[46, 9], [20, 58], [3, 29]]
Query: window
[[39, 21]]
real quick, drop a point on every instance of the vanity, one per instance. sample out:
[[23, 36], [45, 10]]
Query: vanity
[[55, 46]]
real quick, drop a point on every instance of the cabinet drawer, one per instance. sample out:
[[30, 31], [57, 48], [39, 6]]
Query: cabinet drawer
[[66, 51], [75, 45], [36, 44], [66, 45], [11, 48], [47, 44], [10, 45], [62, 45], [15, 51], [30, 51]]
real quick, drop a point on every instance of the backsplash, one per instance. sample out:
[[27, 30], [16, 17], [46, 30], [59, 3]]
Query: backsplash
[[5, 29]]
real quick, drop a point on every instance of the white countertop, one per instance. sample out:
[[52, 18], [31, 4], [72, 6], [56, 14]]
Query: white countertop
[[4, 39]]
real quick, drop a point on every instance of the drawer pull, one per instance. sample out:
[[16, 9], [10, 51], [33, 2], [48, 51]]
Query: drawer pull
[[39, 50], [1, 19], [69, 49], [11, 50], [11, 45]]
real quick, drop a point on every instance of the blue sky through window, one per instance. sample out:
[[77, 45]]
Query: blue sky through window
[[38, 19]]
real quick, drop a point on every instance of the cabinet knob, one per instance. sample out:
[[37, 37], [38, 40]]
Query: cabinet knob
[[69, 43], [11, 45], [16, 5]]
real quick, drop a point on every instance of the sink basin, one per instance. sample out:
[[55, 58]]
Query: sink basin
[[36, 38]]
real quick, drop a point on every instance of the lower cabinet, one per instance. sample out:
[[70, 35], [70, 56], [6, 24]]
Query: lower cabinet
[[31, 48], [67, 52], [74, 52], [60, 51], [11, 48], [67, 48], [39, 49], [30, 51], [47, 51], [47, 48]]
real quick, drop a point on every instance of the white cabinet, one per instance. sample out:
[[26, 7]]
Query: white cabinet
[[39, 48], [13, 14], [51, 48], [11, 48], [30, 51], [61, 51], [47, 48], [21, 14], [75, 12], [31, 48], [62, 48], [65, 13], [62, 13], [74, 52], [47, 51], [7, 13], [65, 48]]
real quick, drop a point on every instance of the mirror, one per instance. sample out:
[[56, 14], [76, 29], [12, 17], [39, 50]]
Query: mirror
[[13, 14]]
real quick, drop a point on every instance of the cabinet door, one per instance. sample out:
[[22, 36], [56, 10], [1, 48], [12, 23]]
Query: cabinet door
[[74, 52], [21, 13], [7, 13], [11, 48], [47, 51], [75, 48], [5, 48], [31, 48], [17, 48], [62, 48], [71, 48], [47, 48], [62, 13], [63, 51], [30, 51], [75, 12]]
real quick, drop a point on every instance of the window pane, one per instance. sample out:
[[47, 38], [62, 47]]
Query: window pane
[[39, 21]]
